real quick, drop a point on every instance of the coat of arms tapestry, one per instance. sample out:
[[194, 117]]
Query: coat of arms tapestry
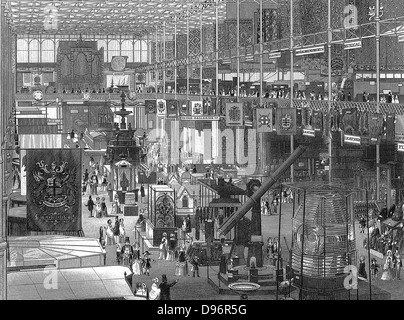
[[286, 121], [54, 189], [234, 114]]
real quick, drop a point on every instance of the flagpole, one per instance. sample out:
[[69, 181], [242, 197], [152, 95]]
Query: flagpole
[[329, 93], [292, 70]]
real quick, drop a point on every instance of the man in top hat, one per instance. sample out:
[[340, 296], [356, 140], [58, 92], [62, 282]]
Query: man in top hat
[[146, 263], [195, 266], [127, 253], [165, 288]]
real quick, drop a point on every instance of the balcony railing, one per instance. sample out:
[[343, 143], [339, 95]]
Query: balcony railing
[[396, 108]]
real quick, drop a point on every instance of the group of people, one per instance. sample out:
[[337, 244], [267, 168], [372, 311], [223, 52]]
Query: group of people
[[112, 234], [274, 252], [391, 269], [170, 251], [97, 209], [269, 204], [129, 256], [157, 291], [91, 183], [382, 237]]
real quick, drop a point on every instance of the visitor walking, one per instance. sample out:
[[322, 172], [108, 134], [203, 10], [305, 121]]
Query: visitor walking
[[90, 206], [116, 230], [397, 263], [163, 248], [146, 263], [386, 275], [362, 268], [195, 266], [109, 232]]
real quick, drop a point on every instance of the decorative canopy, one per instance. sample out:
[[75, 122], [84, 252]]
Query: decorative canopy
[[128, 17]]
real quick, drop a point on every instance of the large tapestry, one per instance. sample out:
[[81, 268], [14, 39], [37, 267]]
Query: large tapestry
[[54, 193]]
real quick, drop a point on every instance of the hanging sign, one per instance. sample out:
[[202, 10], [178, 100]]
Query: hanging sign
[[274, 55], [309, 133], [400, 147], [352, 139], [349, 45], [310, 50], [206, 118]]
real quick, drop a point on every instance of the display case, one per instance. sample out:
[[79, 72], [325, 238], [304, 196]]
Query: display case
[[161, 211]]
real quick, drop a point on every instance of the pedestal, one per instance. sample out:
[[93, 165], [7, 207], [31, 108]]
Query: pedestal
[[255, 250], [111, 195], [223, 266], [130, 210], [254, 275]]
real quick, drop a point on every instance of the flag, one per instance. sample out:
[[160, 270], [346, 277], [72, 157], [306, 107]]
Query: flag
[[234, 114], [161, 107], [264, 119], [150, 106], [286, 121], [172, 108], [196, 108]]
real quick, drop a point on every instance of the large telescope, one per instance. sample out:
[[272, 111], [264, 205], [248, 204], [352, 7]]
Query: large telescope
[[235, 217]]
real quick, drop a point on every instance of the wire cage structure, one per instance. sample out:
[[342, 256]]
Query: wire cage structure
[[323, 240]]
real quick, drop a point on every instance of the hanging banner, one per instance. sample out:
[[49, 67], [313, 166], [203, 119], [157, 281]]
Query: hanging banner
[[234, 114], [286, 121], [150, 106], [196, 108], [400, 147], [184, 110], [54, 189], [172, 108], [161, 107], [375, 125], [264, 120], [352, 139], [310, 50], [399, 128]]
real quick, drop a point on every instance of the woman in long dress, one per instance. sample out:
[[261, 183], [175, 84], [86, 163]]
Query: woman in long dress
[[137, 261], [154, 293], [163, 248], [397, 265], [110, 232], [387, 266], [180, 267], [122, 232]]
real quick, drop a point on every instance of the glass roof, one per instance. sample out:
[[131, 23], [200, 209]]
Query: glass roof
[[97, 17]]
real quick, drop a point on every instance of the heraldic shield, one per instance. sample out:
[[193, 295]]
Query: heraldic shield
[[264, 120], [54, 192], [234, 114], [286, 121]]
